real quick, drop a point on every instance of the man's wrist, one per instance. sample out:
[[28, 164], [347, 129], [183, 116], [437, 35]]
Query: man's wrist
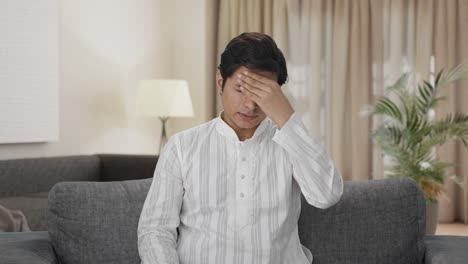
[[281, 121]]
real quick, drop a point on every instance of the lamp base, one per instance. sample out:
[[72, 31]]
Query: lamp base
[[163, 140]]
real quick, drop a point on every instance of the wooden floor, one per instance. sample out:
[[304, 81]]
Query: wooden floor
[[456, 229]]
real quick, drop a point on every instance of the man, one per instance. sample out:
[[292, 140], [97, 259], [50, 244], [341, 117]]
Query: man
[[232, 186]]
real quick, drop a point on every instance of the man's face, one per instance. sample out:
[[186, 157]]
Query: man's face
[[240, 113]]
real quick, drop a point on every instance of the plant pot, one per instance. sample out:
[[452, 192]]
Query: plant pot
[[432, 214]]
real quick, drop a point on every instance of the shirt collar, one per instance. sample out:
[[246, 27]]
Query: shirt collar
[[224, 129]]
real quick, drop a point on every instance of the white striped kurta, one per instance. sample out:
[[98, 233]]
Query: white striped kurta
[[235, 202]]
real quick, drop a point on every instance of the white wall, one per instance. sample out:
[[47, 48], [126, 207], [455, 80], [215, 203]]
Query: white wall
[[106, 47]]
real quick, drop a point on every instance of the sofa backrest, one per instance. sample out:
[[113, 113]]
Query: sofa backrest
[[32, 175], [378, 221]]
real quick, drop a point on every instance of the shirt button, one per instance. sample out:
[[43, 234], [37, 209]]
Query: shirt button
[[242, 176], [241, 195], [243, 159]]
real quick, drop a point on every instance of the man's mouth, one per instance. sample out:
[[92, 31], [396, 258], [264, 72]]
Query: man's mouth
[[248, 117]]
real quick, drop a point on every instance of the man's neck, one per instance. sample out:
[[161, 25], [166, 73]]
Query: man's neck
[[243, 137]]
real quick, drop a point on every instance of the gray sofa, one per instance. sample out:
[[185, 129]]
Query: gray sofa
[[375, 222], [25, 183]]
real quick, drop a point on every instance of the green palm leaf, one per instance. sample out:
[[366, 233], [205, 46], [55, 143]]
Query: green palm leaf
[[408, 135], [386, 107]]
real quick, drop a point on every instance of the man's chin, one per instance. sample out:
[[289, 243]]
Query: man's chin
[[248, 124]]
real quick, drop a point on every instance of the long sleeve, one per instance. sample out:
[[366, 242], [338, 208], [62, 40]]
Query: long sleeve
[[320, 181], [159, 219]]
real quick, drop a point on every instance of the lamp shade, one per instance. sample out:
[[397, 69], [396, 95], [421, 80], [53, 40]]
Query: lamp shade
[[164, 98]]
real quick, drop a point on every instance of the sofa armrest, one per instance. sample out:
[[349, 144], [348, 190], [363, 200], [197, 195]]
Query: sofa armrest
[[121, 167], [446, 249], [26, 248]]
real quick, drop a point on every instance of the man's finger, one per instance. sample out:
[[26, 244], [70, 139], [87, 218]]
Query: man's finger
[[260, 78], [253, 83], [259, 92], [249, 93]]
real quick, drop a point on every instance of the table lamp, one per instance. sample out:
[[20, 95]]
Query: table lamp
[[164, 99]]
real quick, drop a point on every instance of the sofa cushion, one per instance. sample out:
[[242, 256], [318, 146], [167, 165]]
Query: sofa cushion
[[377, 221], [26, 247], [33, 206], [96, 222]]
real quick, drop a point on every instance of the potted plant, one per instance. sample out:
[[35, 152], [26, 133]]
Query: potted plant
[[409, 132]]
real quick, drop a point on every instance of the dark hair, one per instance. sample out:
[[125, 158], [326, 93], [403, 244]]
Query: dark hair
[[256, 51]]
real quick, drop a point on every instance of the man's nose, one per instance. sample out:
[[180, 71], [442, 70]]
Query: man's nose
[[249, 104]]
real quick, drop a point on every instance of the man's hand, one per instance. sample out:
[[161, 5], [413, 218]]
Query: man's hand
[[267, 94]]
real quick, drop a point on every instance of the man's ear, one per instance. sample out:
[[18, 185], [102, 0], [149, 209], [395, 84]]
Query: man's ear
[[219, 81]]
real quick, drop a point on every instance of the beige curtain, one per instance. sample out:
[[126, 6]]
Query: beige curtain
[[330, 67], [343, 54], [238, 16], [426, 36], [449, 39]]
